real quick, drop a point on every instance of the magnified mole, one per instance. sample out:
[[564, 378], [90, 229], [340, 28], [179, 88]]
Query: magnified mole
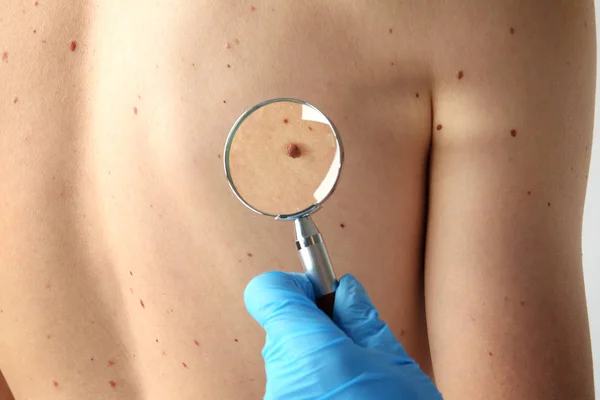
[[293, 150]]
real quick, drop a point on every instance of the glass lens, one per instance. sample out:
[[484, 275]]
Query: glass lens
[[283, 157]]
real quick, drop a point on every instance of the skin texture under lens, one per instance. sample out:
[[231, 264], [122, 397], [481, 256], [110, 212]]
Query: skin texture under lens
[[280, 155]]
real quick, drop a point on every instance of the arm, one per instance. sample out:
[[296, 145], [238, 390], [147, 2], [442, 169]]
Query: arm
[[505, 299]]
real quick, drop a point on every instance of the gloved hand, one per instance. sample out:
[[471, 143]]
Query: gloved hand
[[308, 356]]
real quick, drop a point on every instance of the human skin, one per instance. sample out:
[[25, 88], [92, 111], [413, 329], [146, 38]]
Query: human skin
[[125, 254]]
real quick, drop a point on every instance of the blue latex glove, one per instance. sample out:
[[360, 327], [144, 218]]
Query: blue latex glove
[[308, 356]]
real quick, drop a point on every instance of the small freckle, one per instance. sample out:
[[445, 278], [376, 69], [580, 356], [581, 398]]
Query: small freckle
[[513, 132], [342, 226], [139, 97], [156, 340], [249, 254], [402, 332], [549, 204], [92, 359], [184, 365], [55, 384], [135, 111], [5, 57], [293, 150], [439, 127], [112, 384], [130, 273], [164, 354], [16, 100], [142, 303], [218, 156], [417, 95], [196, 343], [48, 336], [73, 45], [285, 121], [392, 63], [310, 128], [111, 363], [224, 101], [460, 75], [491, 353], [252, 8], [235, 340], [522, 303], [390, 30], [131, 290], [228, 65], [512, 30], [35, 31], [529, 193]]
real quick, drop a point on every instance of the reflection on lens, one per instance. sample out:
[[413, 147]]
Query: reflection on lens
[[283, 157]]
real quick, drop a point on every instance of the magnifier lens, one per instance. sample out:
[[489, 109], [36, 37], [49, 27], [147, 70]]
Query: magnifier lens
[[283, 157]]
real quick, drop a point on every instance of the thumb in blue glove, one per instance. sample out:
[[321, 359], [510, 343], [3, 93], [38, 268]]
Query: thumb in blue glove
[[309, 356]]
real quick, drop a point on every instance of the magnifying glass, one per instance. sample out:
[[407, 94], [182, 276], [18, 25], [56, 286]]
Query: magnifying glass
[[283, 159]]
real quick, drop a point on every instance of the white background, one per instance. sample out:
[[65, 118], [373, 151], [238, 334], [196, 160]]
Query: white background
[[591, 238]]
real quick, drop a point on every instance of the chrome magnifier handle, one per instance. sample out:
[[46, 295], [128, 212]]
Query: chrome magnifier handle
[[316, 263]]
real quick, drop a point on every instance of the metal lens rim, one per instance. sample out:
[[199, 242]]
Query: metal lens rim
[[302, 213]]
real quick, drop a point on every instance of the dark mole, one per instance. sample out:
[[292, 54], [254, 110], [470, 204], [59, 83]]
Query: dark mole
[[392, 63], [342, 225], [130, 273], [512, 30], [111, 363], [529, 193], [224, 101], [35, 31], [439, 127], [249, 254], [235, 340], [92, 359], [5, 57], [184, 365], [285, 121], [513, 132], [491, 353], [228, 66], [135, 110], [310, 128], [549, 204], [460, 75], [390, 30], [55, 383], [142, 303], [417, 95], [112, 384], [522, 303], [73, 45], [293, 150], [218, 156], [16, 100], [196, 343]]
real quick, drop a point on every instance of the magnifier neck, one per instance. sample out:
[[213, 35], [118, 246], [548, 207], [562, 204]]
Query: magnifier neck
[[307, 233]]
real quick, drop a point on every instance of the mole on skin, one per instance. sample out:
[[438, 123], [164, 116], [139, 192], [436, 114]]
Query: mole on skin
[[439, 127], [460, 75], [513, 132], [293, 150], [73, 45]]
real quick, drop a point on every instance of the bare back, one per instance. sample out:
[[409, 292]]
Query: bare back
[[125, 255]]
